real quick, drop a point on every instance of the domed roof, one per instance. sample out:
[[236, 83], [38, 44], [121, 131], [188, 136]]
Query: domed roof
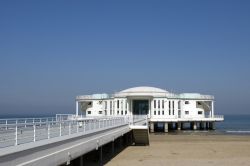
[[144, 89]]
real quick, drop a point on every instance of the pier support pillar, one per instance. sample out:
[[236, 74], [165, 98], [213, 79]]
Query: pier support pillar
[[100, 156], [201, 125], [81, 160], [194, 126], [179, 124], [152, 127], [166, 127], [211, 126], [207, 125], [113, 148]]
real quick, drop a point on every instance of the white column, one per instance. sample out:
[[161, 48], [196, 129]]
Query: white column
[[149, 108], [77, 108], [156, 107], [212, 105], [115, 107], [152, 108]]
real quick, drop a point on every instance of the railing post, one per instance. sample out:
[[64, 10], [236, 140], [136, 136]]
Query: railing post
[[48, 130], [16, 136], [34, 134], [84, 126], [69, 127], [77, 126], [60, 130]]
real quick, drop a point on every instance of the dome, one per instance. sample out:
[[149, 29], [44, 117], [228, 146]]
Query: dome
[[144, 89]]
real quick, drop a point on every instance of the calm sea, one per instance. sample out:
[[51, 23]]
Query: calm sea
[[234, 124]]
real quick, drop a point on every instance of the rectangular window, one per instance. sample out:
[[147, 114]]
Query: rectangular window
[[173, 107], [159, 112], [118, 103], [199, 112], [159, 104], [106, 104], [110, 105], [162, 104], [122, 104], [154, 103], [122, 112], [125, 112], [162, 112], [186, 112], [154, 112], [199, 103], [169, 108], [100, 112], [117, 112], [186, 102], [89, 112], [179, 104]]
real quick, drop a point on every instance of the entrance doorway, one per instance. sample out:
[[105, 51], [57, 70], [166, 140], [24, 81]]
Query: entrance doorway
[[140, 107]]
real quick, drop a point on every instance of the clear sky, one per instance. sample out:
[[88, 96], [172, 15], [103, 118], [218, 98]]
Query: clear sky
[[51, 51]]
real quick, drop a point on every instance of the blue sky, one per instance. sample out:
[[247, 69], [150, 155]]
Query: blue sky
[[51, 51]]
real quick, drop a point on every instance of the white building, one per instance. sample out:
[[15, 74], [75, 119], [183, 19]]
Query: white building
[[159, 105]]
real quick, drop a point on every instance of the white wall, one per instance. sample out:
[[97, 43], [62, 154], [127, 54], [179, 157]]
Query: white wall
[[97, 105], [192, 109]]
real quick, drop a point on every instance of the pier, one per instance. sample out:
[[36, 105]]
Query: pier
[[59, 140]]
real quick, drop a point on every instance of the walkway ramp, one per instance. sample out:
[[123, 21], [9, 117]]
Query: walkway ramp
[[140, 130], [141, 135]]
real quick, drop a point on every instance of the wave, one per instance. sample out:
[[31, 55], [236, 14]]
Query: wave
[[238, 131]]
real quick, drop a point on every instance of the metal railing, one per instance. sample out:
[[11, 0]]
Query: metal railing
[[176, 117], [215, 116], [15, 132], [138, 119]]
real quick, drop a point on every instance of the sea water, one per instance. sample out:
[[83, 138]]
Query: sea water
[[234, 124]]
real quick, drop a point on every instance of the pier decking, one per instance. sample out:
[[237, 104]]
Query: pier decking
[[59, 140], [55, 141]]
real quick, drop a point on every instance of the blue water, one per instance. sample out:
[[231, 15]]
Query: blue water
[[234, 124]]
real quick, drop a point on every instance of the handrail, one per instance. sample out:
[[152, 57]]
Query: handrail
[[14, 134]]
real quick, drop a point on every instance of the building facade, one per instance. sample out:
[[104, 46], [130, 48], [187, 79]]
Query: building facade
[[159, 105]]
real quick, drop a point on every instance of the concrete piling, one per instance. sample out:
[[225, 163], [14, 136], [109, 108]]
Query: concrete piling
[[166, 127], [152, 127]]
